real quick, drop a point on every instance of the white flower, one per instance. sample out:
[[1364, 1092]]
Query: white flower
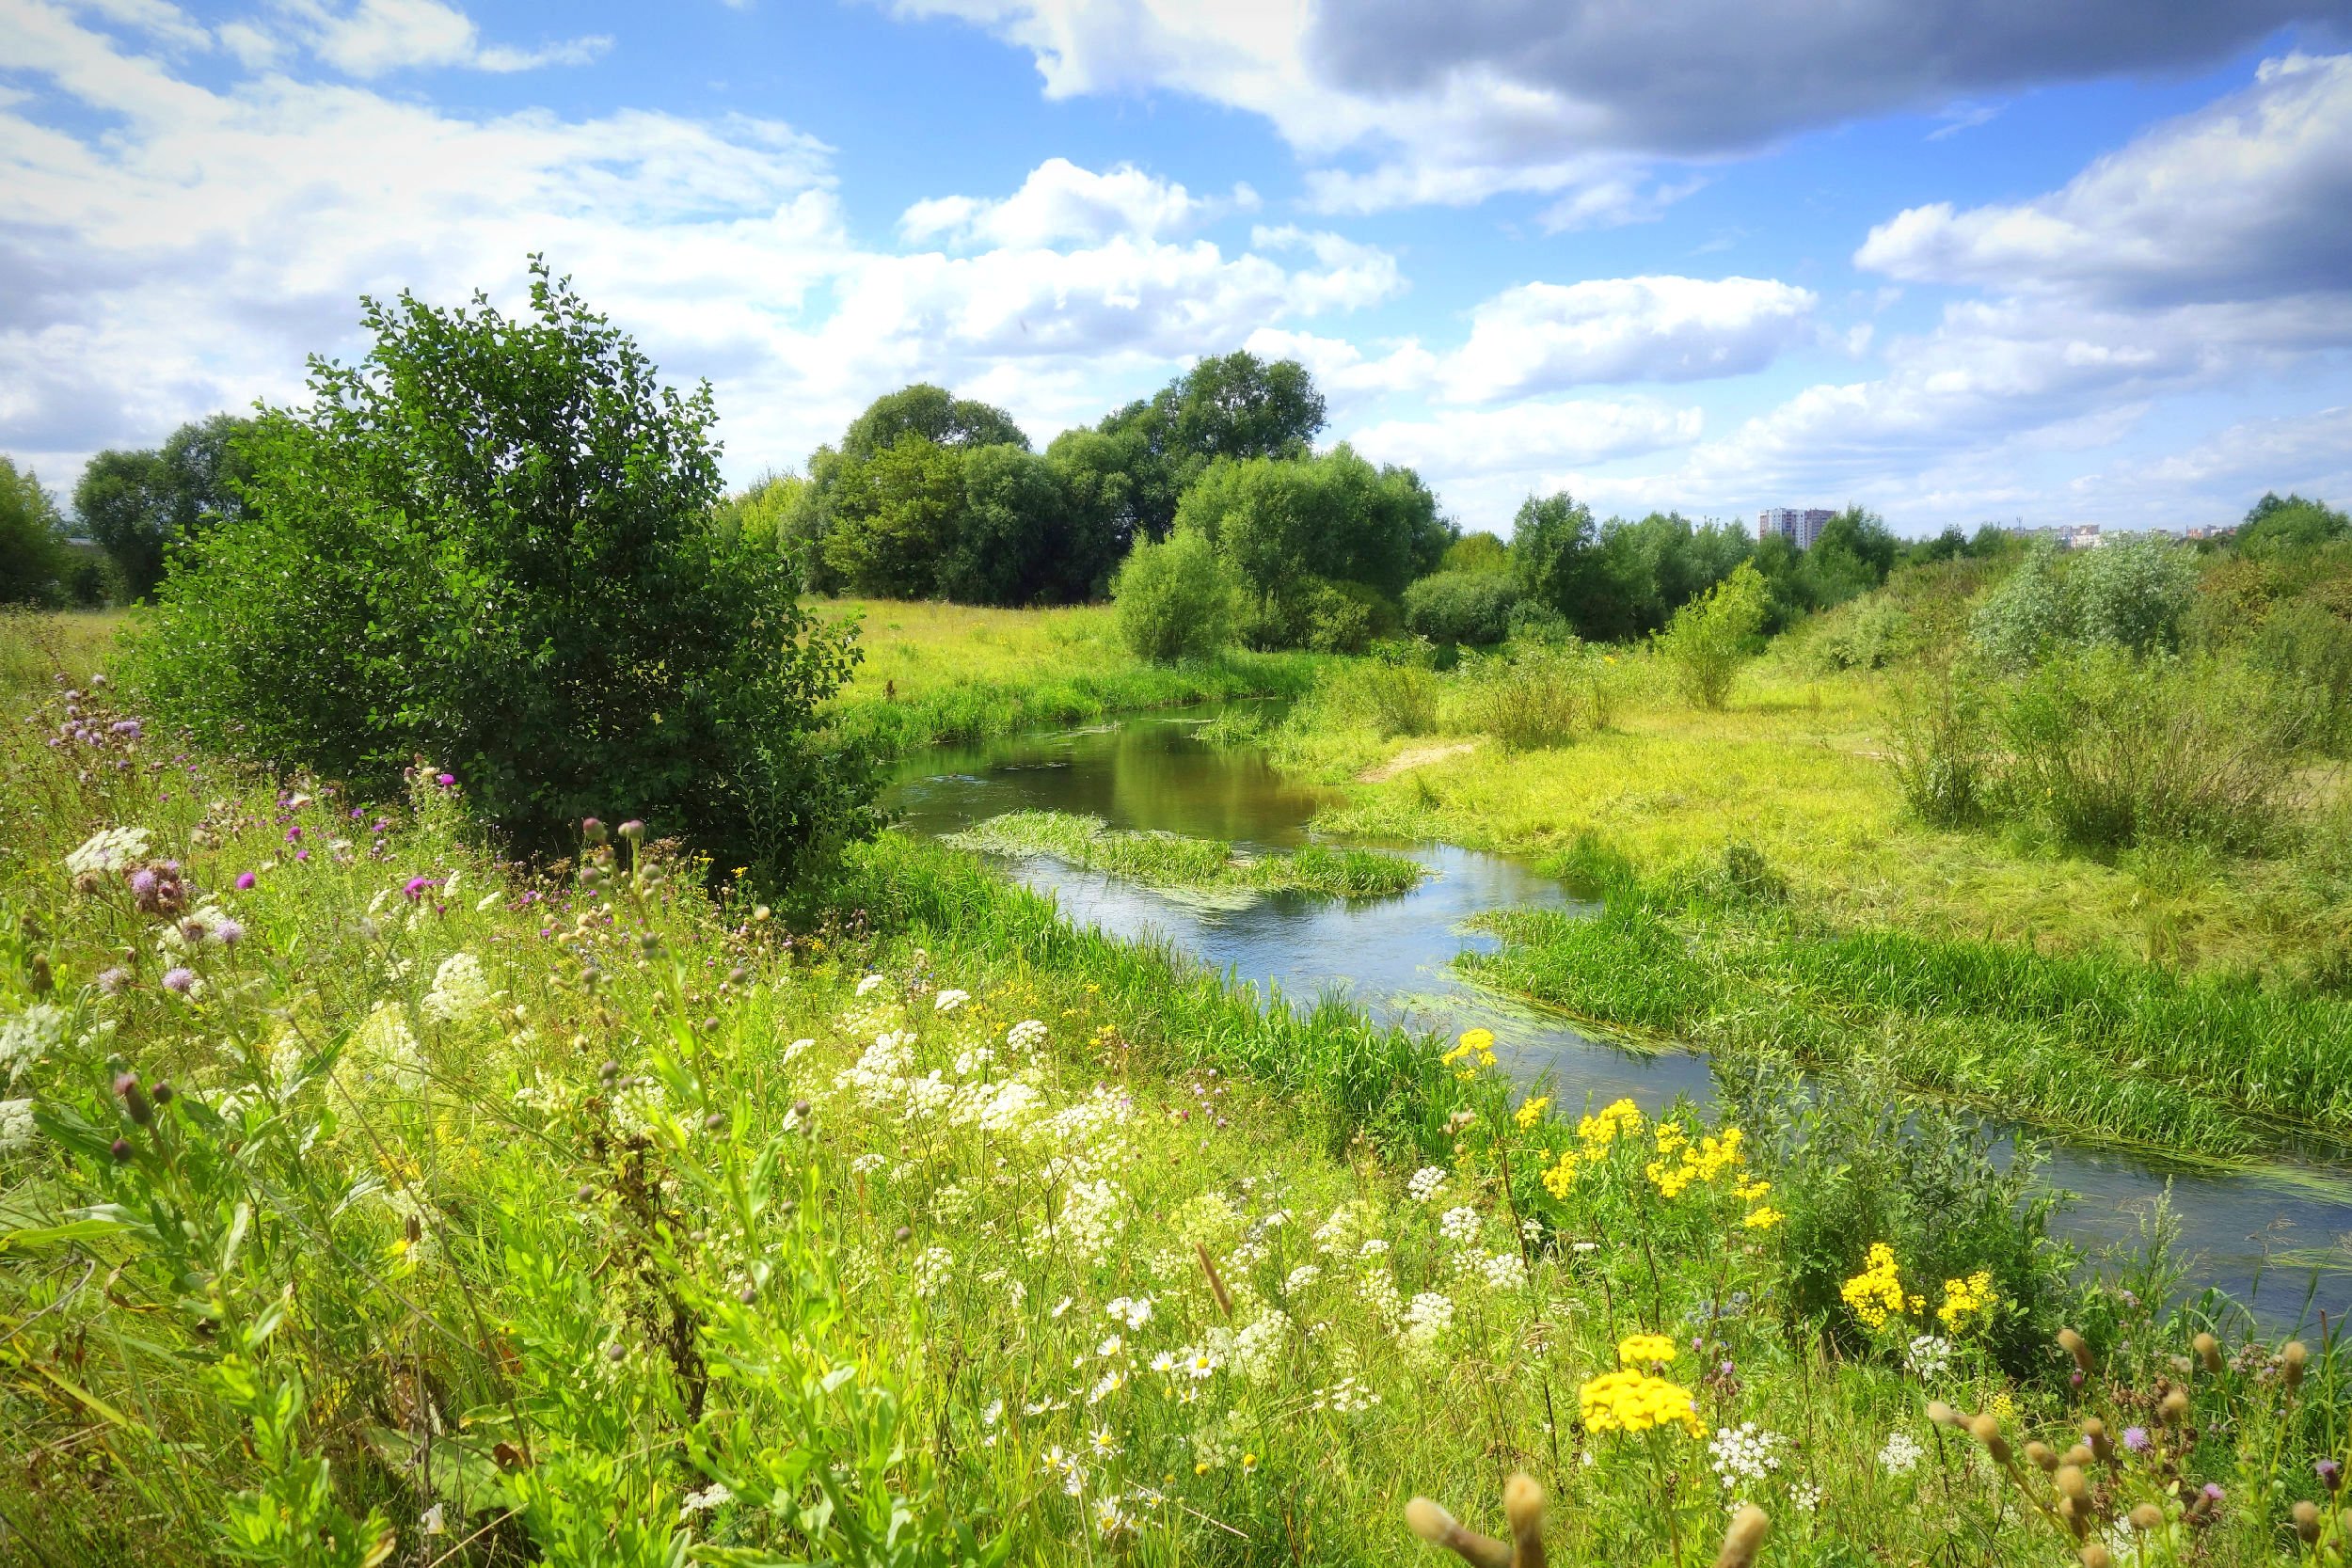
[[16, 1125], [432, 1521], [1201, 1363], [459, 991], [871, 984], [1459, 1226], [1374, 1247], [1345, 1397], [1901, 1454], [1109, 1518], [1132, 1311], [1425, 1182], [1301, 1277], [994, 1414], [1028, 1035], [949, 1000], [796, 1049], [1103, 1444], [381, 1046], [108, 850], [1110, 1347], [39, 1029], [709, 1498], [1426, 1317], [1257, 1349], [1744, 1454], [1928, 1357], [1505, 1271], [1804, 1497], [488, 900], [932, 1270]]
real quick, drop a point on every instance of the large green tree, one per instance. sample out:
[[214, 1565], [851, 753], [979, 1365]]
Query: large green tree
[[139, 505], [490, 544], [33, 560], [1232, 406], [933, 413]]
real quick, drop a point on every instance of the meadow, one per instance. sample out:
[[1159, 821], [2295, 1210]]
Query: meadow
[[371, 1200]]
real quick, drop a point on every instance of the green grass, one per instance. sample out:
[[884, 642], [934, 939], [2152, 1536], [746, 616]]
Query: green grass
[[2099, 1044], [936, 673], [533, 1220], [1174, 861]]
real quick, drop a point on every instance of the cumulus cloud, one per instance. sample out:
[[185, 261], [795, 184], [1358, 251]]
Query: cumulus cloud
[[374, 38], [2244, 197], [1544, 337], [176, 246], [1403, 100], [1060, 203]]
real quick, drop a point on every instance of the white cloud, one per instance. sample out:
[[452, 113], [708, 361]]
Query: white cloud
[[1060, 203], [1397, 101], [374, 38], [1530, 434], [1544, 337], [2244, 197], [174, 248]]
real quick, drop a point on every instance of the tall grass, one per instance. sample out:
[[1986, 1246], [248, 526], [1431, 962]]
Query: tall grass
[[1531, 699]]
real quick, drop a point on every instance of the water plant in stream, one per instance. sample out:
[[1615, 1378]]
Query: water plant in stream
[[1172, 859]]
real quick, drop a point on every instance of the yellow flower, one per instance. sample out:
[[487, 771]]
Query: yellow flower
[[1646, 1347], [1635, 1402], [1751, 1190], [1621, 1118], [2002, 1406], [1877, 1293], [1965, 1298], [1561, 1176], [1532, 1112], [1763, 1217]]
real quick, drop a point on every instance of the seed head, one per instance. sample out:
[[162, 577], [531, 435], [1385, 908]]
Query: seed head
[[2072, 1484], [2306, 1517], [2077, 1347], [2079, 1454], [1985, 1430], [2095, 1434], [2042, 1456], [2209, 1352], [2147, 1516], [1744, 1538], [2292, 1361], [2174, 1409], [2095, 1556], [1944, 1415]]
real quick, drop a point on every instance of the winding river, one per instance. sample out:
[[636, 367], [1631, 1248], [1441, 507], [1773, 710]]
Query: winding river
[[1393, 957]]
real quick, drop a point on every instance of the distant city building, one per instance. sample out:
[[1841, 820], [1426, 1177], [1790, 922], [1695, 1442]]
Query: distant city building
[[1799, 526], [2067, 536]]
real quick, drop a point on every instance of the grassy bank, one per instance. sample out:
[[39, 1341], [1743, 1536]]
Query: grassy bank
[[491, 1219], [1795, 768], [1203, 865], [2097, 1044], [938, 673]]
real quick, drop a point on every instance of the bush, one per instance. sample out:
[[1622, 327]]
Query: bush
[[1941, 750], [1176, 601], [1319, 616], [1709, 638], [489, 546], [1391, 697], [1533, 621], [2111, 751], [2308, 648], [2134, 594], [1536, 699], [1472, 607]]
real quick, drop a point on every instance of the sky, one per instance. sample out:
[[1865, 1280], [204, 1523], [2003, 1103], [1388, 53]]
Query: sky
[[1956, 261]]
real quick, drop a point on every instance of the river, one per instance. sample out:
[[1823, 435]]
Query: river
[[1393, 957]]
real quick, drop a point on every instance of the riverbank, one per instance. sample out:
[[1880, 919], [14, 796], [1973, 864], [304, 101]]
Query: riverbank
[[941, 674], [1198, 865], [512, 1217]]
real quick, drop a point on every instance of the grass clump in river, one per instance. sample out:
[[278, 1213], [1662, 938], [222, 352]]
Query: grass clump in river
[[1174, 860]]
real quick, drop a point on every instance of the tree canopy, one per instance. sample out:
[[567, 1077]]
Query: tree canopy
[[139, 505]]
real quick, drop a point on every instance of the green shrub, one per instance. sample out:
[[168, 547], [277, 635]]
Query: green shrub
[[1941, 750], [1176, 599], [1709, 638], [1537, 698], [488, 546], [1472, 607], [1533, 621], [2110, 750], [2308, 648], [1390, 697], [2134, 593]]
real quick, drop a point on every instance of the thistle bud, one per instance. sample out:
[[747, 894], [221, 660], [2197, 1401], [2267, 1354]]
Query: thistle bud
[[633, 831], [592, 829], [715, 1122], [2147, 1516], [1744, 1538], [2209, 1352], [2293, 1362], [2095, 1434], [2095, 1556], [2074, 1517], [902, 1235], [1985, 1430], [1944, 1415], [2077, 1347], [134, 1098], [165, 1094], [2040, 1457], [617, 1352], [2071, 1483], [749, 1295], [121, 1150], [2174, 1409], [2306, 1517]]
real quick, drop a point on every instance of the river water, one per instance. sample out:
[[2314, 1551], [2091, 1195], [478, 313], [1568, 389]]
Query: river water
[[1393, 957]]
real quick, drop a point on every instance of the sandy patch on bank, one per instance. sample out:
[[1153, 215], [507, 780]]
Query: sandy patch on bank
[[1412, 757]]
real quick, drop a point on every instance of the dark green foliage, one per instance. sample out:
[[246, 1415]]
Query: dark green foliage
[[1177, 599], [896, 514], [141, 505], [1026, 535], [489, 545], [1472, 607], [1321, 544], [2134, 594], [936, 415], [33, 558], [1235, 406], [1615, 581], [2274, 522]]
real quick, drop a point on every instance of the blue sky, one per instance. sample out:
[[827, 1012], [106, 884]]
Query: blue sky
[[1955, 259]]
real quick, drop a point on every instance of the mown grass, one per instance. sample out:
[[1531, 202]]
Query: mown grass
[[496, 1218], [937, 673], [1174, 861], [2100, 1044]]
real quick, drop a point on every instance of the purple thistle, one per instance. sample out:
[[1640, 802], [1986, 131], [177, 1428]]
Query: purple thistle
[[143, 884], [2330, 1474], [2136, 1439], [2214, 1492], [416, 888], [114, 982], [182, 980], [245, 881], [229, 933], [447, 781], [293, 834]]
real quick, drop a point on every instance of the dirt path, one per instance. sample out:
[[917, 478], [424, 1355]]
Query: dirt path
[[1415, 756]]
